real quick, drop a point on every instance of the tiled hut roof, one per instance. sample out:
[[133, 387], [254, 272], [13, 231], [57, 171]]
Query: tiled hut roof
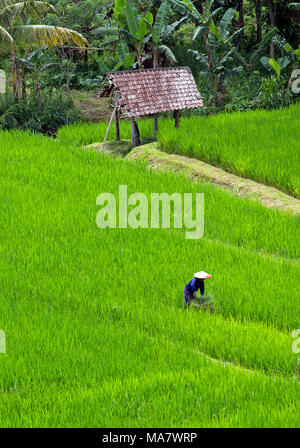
[[149, 91]]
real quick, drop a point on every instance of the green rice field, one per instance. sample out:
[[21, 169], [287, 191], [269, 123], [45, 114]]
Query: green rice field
[[96, 331], [260, 145]]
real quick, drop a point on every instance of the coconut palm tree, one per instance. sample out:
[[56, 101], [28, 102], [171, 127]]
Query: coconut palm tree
[[16, 34]]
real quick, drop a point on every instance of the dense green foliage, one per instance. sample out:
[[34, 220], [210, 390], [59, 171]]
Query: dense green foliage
[[45, 115], [229, 45], [96, 330]]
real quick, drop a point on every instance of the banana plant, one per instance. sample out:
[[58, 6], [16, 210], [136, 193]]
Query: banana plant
[[277, 66], [161, 31], [219, 58], [135, 31], [125, 59], [14, 34], [289, 58]]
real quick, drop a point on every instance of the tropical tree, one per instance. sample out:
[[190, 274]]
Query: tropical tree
[[16, 34], [131, 27], [141, 33], [218, 42], [161, 31]]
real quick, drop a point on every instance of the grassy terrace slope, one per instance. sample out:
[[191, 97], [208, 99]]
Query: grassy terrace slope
[[96, 331], [261, 145]]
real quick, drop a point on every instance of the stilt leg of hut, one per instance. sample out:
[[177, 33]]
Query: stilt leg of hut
[[155, 125], [117, 125], [108, 128], [177, 118], [132, 132], [134, 137]]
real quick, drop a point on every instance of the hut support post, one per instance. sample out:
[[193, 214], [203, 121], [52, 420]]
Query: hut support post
[[177, 118], [155, 125], [116, 104], [108, 128], [134, 134], [117, 126]]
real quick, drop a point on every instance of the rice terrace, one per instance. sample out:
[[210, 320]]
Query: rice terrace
[[149, 256]]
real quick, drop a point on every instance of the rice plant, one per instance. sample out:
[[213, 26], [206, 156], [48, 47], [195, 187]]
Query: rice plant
[[96, 331], [260, 145]]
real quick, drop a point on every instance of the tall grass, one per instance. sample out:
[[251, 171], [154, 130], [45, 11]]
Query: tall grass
[[95, 326], [261, 145]]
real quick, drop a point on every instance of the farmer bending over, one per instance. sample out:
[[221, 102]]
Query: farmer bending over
[[192, 287]]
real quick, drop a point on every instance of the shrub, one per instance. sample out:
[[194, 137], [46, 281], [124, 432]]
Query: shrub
[[45, 115]]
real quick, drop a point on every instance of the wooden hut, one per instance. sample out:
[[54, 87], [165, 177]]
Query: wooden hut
[[151, 91]]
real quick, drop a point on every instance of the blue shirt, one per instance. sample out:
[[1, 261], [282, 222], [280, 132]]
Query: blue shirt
[[194, 285]]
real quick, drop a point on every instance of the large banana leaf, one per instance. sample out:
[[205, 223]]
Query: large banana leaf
[[202, 58], [168, 30], [102, 67], [208, 5], [190, 5], [133, 19], [122, 50], [213, 47], [126, 58], [198, 33], [120, 6], [188, 9], [168, 53], [276, 67], [162, 16], [226, 21], [214, 29], [144, 26], [239, 31]]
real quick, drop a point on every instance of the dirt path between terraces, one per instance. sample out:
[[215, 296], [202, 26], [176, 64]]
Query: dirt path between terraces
[[195, 169]]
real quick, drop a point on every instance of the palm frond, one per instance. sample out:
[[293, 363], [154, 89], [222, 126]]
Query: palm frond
[[6, 40], [13, 10], [47, 36]]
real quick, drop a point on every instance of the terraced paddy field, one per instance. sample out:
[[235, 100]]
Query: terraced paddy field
[[96, 331], [259, 145]]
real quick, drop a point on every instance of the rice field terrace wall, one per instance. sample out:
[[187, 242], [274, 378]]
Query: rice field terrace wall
[[261, 145], [96, 331]]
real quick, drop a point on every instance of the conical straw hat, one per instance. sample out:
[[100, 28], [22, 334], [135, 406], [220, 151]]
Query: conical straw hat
[[202, 275]]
